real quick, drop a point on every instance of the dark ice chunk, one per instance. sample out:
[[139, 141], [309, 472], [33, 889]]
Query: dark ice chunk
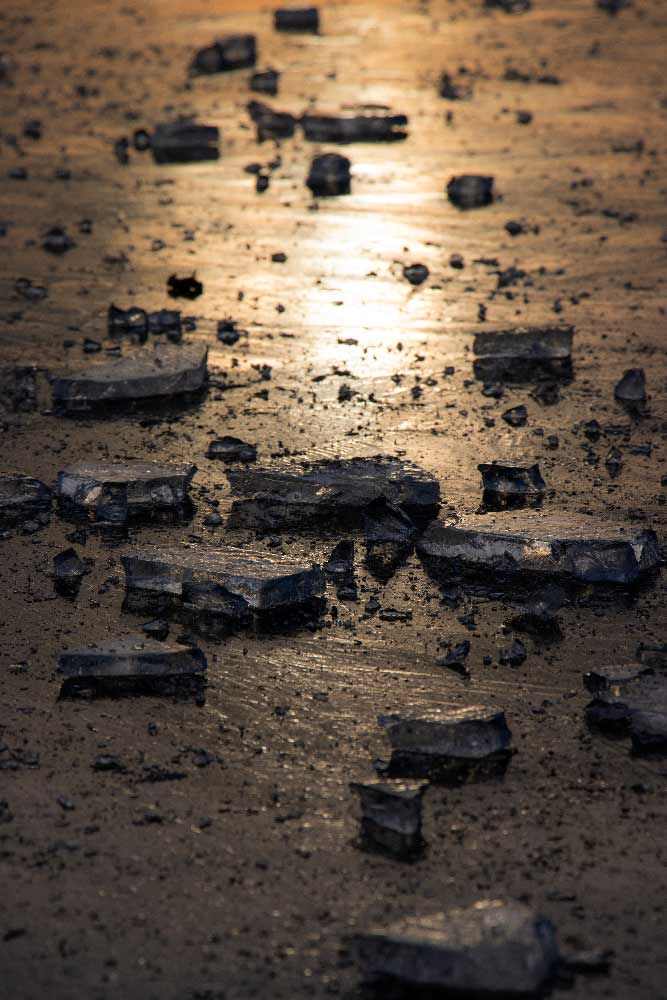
[[470, 191], [184, 288], [297, 19], [227, 332], [456, 658], [271, 124], [634, 704], [535, 343], [226, 583], [340, 563], [19, 388], [166, 371], [184, 142], [613, 461], [614, 680], [390, 535], [448, 745], [360, 128], [329, 175], [517, 416], [167, 321], [513, 655], [137, 656], [127, 321], [510, 6], [654, 656], [231, 449], [391, 816], [416, 274], [58, 241], [23, 498], [68, 572], [338, 487], [538, 616], [111, 491], [509, 544], [453, 90], [632, 387], [492, 947], [511, 480], [265, 82], [229, 52]]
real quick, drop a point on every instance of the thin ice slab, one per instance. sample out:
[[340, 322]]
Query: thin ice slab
[[570, 546], [111, 491], [136, 656], [359, 128], [492, 947], [510, 479], [231, 583], [184, 142], [524, 353], [165, 372], [448, 744], [23, 498], [332, 488], [391, 816]]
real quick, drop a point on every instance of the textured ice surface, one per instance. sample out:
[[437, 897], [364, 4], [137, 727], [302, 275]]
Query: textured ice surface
[[112, 490], [132, 657]]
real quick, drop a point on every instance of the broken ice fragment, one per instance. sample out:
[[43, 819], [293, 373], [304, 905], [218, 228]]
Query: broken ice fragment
[[512, 480], [508, 544], [271, 124], [614, 680], [515, 354], [654, 656], [340, 563], [614, 461], [68, 572], [538, 615], [111, 491], [391, 816], [184, 288], [231, 449], [514, 655], [23, 498], [449, 745], [227, 584], [127, 321], [228, 53], [634, 704], [632, 387], [416, 274], [492, 947], [360, 128], [329, 175], [184, 142], [57, 241], [265, 82], [165, 372], [517, 416], [336, 487], [470, 191], [456, 658], [137, 656], [297, 19], [390, 535]]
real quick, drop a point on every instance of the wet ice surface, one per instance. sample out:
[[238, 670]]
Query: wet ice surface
[[245, 799]]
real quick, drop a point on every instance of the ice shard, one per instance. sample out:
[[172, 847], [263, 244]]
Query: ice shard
[[391, 816], [165, 372], [113, 491], [359, 128], [227, 53], [184, 142], [297, 19], [577, 547], [136, 656], [492, 947], [329, 175], [23, 498], [525, 353], [504, 479]]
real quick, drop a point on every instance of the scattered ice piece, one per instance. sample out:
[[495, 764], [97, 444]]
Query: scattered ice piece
[[184, 288], [529, 343], [456, 658], [514, 655], [68, 572], [448, 744], [516, 416], [390, 535], [506, 479], [228, 53], [329, 175], [137, 656], [231, 449], [416, 274], [582, 548], [492, 947], [280, 497], [340, 563], [654, 656], [184, 142], [271, 124], [632, 387], [19, 388], [265, 82], [297, 19], [360, 128], [58, 241], [164, 371], [391, 816], [226, 582], [637, 705], [614, 680], [23, 498], [470, 191], [111, 491], [614, 461]]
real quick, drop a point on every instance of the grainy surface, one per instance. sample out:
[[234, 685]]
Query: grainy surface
[[241, 879]]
